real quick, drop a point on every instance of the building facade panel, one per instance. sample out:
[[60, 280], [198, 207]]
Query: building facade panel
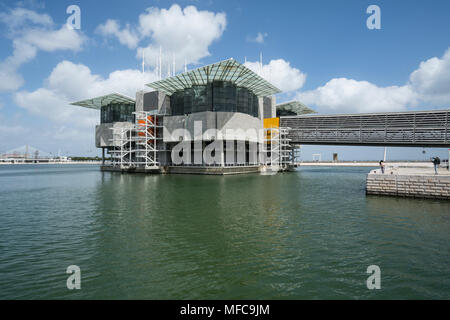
[[104, 133]]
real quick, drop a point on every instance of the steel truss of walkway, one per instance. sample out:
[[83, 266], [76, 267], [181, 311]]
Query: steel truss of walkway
[[415, 129]]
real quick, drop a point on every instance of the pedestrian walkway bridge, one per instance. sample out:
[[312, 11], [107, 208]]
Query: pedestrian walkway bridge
[[413, 129]]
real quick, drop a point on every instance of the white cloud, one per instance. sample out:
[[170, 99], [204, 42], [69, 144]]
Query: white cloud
[[36, 4], [44, 102], [183, 34], [260, 37], [11, 131], [280, 73], [348, 95], [9, 79], [432, 80], [30, 32], [22, 53], [52, 40], [19, 16], [69, 82], [77, 82], [126, 36], [429, 84]]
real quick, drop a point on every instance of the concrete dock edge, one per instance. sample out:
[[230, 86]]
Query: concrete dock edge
[[417, 186]]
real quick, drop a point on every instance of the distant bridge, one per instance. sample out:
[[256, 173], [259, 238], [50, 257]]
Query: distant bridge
[[398, 129], [25, 152]]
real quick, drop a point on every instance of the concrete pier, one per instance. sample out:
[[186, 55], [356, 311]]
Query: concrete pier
[[410, 182], [128, 170], [208, 170], [214, 170]]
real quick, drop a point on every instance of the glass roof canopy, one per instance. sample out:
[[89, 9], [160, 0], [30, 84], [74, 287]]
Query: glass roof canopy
[[98, 102], [295, 106], [227, 70]]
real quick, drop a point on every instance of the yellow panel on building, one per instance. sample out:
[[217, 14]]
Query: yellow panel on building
[[272, 123]]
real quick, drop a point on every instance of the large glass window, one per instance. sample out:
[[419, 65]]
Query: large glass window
[[202, 98], [281, 113], [224, 96], [243, 99], [188, 100], [117, 112], [255, 107], [217, 96], [177, 103]]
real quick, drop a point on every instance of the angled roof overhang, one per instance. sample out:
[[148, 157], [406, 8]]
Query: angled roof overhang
[[98, 102], [227, 70], [295, 106]]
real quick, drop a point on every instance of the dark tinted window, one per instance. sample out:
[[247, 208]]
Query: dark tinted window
[[217, 96], [281, 113], [117, 113], [202, 100], [224, 96], [177, 103]]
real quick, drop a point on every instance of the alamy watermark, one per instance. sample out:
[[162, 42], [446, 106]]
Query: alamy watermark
[[74, 280], [374, 20], [223, 146], [74, 20], [374, 280]]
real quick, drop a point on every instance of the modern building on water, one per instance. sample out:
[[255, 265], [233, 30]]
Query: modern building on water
[[223, 119], [218, 119]]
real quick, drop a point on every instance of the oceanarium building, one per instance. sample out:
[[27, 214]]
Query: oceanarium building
[[217, 119]]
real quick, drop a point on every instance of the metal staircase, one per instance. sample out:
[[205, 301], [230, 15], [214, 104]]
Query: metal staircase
[[137, 147]]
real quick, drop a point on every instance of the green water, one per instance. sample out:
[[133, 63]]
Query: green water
[[304, 235]]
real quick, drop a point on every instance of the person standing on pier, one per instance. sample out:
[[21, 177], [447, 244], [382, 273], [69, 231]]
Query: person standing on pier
[[382, 166], [436, 161]]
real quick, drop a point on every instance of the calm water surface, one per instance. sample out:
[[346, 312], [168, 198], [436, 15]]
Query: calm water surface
[[305, 235]]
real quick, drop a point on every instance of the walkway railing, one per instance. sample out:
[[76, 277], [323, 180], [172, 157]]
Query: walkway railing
[[419, 128]]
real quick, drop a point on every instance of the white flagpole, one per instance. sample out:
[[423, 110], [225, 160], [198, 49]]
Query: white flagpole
[[143, 70]]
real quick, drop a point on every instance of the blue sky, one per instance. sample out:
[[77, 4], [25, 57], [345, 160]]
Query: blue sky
[[319, 52]]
